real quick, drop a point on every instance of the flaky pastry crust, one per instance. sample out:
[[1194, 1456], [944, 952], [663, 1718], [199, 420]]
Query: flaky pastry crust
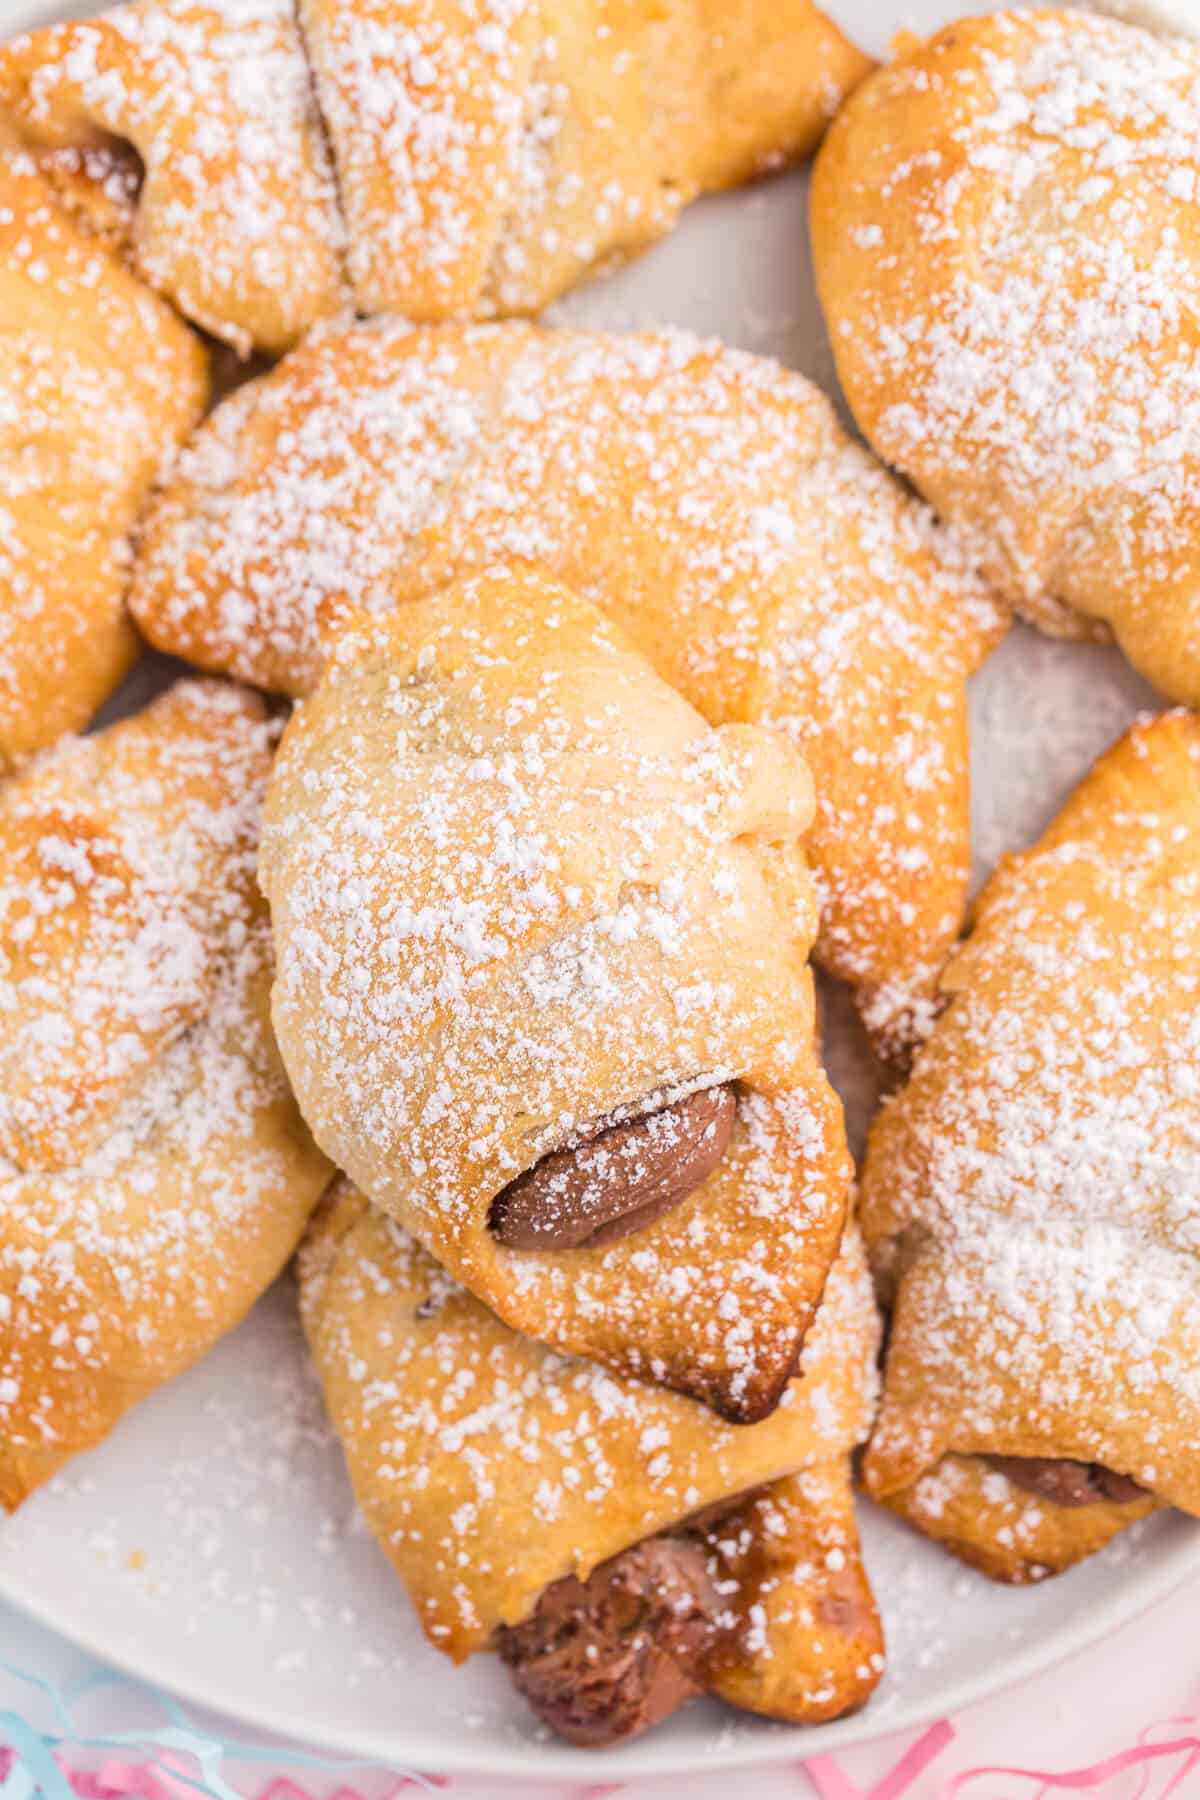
[[184, 132], [154, 1171], [265, 165], [1030, 1198], [1007, 246], [517, 887], [488, 1467], [99, 384], [706, 499], [484, 170]]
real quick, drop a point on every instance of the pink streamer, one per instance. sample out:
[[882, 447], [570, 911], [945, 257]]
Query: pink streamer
[[115, 1779], [832, 1782], [1078, 1781]]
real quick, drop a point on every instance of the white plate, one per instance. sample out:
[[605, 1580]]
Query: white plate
[[212, 1546]]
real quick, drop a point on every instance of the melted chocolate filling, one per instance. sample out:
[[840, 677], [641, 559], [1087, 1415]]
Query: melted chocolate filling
[[618, 1180], [1068, 1483]]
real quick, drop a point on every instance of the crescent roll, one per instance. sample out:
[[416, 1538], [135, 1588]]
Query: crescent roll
[[618, 1546], [484, 167], [543, 988], [99, 383], [154, 1171], [1031, 1199], [706, 499], [184, 132], [483, 159], [1007, 245]]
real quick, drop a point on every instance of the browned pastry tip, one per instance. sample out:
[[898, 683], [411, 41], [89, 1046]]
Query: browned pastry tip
[[1068, 1483], [620, 1178], [602, 1660]]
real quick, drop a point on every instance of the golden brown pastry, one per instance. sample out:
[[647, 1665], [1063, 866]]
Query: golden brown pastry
[[1030, 1199], [484, 158], [488, 160], [621, 1548], [154, 1171], [98, 385], [1007, 244], [706, 499], [185, 133], [528, 909]]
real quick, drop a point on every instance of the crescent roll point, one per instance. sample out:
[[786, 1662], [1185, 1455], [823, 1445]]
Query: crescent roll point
[[524, 899], [506, 1484], [706, 499], [154, 1171], [185, 133], [1030, 1197], [99, 383], [432, 158], [1006, 234]]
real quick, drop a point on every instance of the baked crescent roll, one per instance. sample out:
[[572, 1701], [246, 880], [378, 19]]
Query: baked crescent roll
[[154, 1171], [99, 383], [620, 1547], [1031, 1199], [1007, 244], [484, 159], [705, 499], [543, 988], [487, 163], [185, 133]]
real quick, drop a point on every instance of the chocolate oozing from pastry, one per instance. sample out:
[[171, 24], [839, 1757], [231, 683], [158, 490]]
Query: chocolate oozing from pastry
[[603, 1659], [619, 1180], [1068, 1483]]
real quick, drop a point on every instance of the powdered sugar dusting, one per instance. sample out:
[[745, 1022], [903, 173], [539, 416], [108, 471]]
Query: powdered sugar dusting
[[1007, 246], [233, 212], [703, 497], [88, 420], [518, 887], [489, 1466], [153, 1170], [1035, 1190], [483, 155]]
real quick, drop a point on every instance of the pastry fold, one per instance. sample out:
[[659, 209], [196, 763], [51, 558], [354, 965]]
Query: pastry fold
[[184, 132], [490, 1470], [154, 1171], [484, 170], [705, 499], [521, 893], [1004, 224], [265, 165], [1031, 1198], [99, 384]]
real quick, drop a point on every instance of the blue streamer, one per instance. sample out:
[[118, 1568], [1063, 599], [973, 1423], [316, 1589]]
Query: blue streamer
[[35, 1771]]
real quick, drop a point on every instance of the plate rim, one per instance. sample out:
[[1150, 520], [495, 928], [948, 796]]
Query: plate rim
[[645, 1758]]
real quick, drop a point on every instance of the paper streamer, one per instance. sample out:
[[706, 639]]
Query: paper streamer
[[1080, 1781], [174, 1760], [832, 1782], [171, 1761]]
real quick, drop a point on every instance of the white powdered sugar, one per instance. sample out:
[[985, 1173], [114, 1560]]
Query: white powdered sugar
[[703, 497], [1036, 1189], [228, 206], [518, 888], [1015, 332], [152, 1170]]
